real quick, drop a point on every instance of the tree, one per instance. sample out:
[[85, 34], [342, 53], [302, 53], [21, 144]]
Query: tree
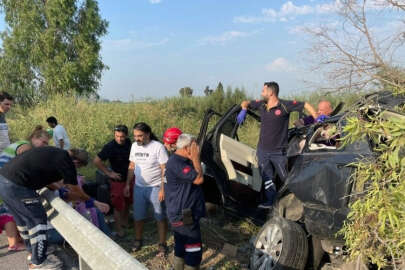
[[220, 88], [352, 53], [355, 56], [208, 91], [186, 91], [51, 47]]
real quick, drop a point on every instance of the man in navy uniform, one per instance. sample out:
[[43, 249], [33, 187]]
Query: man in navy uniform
[[273, 141], [33, 170], [185, 202]]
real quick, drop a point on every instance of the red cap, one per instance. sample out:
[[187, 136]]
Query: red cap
[[171, 134]]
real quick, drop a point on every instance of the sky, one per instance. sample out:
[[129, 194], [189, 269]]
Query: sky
[[155, 47]]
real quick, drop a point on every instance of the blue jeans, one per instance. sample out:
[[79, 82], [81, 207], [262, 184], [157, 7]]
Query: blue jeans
[[102, 225], [145, 196], [54, 237], [271, 163]]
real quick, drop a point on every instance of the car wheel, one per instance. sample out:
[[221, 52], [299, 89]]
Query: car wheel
[[280, 244]]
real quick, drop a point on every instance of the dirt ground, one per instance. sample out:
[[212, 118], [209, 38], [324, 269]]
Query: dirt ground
[[226, 243]]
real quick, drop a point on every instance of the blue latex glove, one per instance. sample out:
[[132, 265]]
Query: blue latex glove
[[321, 118], [241, 116], [89, 203]]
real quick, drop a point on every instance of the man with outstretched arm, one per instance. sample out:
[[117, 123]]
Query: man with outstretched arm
[[324, 112], [185, 202], [273, 140], [19, 180]]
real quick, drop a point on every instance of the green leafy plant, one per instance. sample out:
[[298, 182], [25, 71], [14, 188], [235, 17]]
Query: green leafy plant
[[375, 226]]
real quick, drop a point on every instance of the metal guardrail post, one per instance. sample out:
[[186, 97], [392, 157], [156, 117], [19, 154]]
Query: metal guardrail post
[[96, 250]]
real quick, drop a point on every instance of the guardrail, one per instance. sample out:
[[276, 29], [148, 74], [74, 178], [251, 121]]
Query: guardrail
[[96, 250]]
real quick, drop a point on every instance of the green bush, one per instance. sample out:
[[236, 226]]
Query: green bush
[[375, 228]]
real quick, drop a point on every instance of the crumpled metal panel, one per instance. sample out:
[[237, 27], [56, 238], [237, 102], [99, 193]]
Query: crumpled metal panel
[[322, 182], [324, 222], [321, 179]]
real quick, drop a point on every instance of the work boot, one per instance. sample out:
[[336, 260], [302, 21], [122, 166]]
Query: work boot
[[188, 267], [178, 263]]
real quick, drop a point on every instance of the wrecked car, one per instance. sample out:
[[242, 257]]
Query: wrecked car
[[312, 203]]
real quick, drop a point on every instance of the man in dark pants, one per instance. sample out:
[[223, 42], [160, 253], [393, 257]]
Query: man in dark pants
[[185, 202], [33, 170], [117, 152], [271, 149]]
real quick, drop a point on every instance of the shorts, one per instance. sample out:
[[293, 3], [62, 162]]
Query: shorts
[[4, 219], [145, 196], [187, 242], [118, 200]]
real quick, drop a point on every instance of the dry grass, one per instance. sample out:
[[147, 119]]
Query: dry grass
[[216, 231]]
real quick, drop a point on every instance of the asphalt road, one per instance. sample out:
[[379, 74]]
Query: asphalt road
[[18, 260]]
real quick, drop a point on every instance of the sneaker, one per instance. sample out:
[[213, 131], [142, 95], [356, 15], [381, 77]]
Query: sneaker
[[50, 250], [51, 263], [265, 206]]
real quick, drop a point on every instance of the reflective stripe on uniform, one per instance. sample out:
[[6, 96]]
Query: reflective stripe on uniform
[[39, 227], [268, 184], [24, 236], [193, 247], [22, 228], [36, 239]]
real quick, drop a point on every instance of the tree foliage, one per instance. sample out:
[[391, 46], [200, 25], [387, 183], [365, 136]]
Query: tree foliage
[[51, 46], [375, 228], [186, 91], [208, 91]]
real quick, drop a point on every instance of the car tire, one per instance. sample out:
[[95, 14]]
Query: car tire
[[280, 244]]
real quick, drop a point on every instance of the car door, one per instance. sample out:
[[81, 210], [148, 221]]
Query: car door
[[237, 158]]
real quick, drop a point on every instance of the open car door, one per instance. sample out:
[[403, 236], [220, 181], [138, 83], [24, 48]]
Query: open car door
[[238, 159], [240, 162]]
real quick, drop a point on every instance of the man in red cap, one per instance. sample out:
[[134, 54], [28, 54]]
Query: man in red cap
[[170, 138]]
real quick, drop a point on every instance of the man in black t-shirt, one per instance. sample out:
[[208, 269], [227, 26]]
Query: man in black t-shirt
[[19, 180], [185, 202], [117, 153], [273, 140]]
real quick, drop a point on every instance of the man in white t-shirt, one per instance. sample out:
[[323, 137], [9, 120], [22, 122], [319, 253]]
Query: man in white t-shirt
[[60, 136], [148, 159]]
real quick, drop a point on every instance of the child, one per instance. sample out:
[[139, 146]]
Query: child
[[7, 224]]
